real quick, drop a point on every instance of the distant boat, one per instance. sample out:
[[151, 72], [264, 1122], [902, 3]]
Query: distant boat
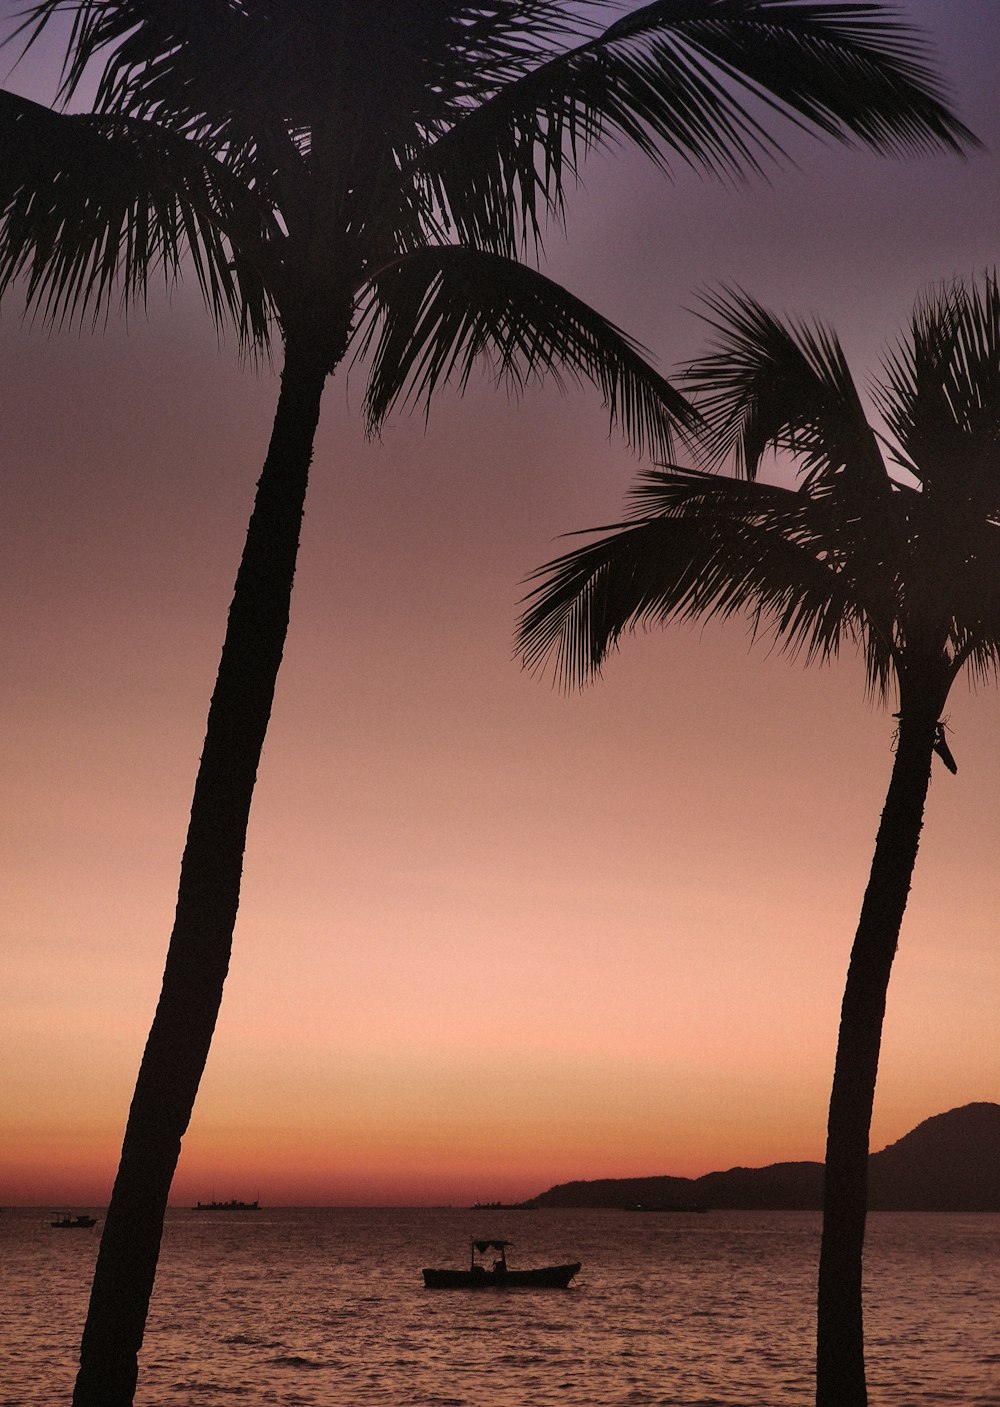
[[233, 1206], [667, 1207], [499, 1276], [67, 1222]]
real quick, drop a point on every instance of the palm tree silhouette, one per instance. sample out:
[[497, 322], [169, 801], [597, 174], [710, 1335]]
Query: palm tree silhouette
[[369, 179], [891, 546]]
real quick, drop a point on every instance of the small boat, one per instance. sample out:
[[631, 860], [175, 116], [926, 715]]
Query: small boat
[[233, 1206], [501, 1207], [499, 1276], [667, 1207], [67, 1222]]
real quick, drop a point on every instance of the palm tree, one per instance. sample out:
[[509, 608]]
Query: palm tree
[[368, 179], [889, 545]]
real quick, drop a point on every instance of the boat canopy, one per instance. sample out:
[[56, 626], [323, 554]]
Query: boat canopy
[[483, 1246]]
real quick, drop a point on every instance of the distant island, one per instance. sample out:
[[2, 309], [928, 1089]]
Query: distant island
[[949, 1163]]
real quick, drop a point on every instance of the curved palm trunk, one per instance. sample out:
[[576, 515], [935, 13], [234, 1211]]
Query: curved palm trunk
[[840, 1363], [207, 900]]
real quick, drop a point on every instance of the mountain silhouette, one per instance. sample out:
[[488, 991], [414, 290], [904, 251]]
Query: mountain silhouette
[[949, 1163]]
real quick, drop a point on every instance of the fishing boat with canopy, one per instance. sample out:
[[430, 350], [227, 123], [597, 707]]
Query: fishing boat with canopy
[[499, 1276]]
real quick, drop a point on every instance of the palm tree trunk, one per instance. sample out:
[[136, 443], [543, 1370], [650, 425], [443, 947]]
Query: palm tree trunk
[[840, 1363], [207, 900]]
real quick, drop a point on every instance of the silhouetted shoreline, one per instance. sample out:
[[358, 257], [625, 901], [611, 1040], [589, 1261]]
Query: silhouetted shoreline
[[948, 1163]]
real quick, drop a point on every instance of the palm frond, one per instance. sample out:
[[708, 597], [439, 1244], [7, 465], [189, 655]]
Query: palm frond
[[436, 312], [769, 384], [699, 546], [981, 658], [204, 70], [679, 80], [147, 53], [940, 393], [940, 396], [91, 204], [856, 72], [773, 384], [910, 573]]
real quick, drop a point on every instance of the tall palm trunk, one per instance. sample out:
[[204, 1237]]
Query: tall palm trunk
[[207, 900], [840, 1362]]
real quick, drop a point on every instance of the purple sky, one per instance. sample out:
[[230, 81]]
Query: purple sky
[[491, 936]]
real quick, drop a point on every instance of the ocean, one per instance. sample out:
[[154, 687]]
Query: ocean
[[326, 1308]]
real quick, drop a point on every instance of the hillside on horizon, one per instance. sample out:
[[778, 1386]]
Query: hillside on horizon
[[949, 1162]]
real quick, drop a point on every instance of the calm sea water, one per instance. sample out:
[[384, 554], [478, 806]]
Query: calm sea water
[[327, 1309]]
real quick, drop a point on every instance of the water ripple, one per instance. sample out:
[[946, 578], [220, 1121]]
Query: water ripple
[[326, 1309]]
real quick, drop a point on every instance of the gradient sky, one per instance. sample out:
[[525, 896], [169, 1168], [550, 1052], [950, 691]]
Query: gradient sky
[[491, 936]]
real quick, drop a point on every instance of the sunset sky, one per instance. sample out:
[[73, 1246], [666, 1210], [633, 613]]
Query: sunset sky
[[492, 936]]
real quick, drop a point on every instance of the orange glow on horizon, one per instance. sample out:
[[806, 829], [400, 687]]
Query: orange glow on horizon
[[492, 937]]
